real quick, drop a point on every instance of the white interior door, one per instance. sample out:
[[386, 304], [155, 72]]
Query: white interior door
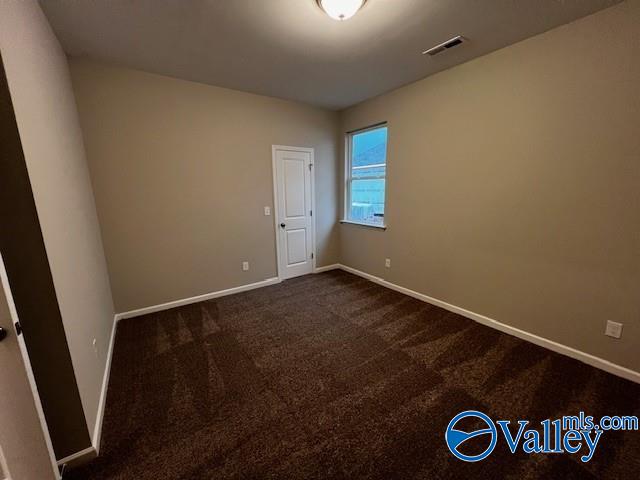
[[294, 205], [25, 447]]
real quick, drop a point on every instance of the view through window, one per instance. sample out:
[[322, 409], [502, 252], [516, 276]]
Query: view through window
[[367, 167]]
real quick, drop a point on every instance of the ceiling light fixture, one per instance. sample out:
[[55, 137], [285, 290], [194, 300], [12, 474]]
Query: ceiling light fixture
[[341, 9]]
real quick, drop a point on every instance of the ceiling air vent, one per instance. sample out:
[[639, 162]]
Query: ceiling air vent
[[453, 42]]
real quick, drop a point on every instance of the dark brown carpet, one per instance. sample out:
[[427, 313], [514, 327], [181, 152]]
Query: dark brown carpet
[[332, 376]]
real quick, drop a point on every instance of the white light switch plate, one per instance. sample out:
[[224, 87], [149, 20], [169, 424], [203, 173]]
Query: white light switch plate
[[614, 329], [245, 266], [267, 211]]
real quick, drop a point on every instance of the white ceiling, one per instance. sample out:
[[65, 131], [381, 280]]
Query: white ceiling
[[291, 49]]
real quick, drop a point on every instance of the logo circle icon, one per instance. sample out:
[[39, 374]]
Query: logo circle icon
[[455, 438]]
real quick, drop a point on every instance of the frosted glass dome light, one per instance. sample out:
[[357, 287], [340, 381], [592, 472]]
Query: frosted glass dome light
[[341, 9]]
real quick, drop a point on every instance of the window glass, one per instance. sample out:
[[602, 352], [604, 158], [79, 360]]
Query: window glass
[[367, 172]]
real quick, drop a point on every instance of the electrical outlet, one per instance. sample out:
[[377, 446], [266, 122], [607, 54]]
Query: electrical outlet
[[614, 329], [95, 346], [267, 211], [245, 266], [387, 262]]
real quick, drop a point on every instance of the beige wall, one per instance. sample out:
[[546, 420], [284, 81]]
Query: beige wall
[[182, 172], [46, 115], [514, 185]]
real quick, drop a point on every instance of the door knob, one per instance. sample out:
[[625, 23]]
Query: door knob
[[3, 334], [282, 225]]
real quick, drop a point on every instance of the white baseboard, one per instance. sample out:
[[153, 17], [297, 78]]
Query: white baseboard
[[326, 268], [78, 458], [97, 431], [587, 358], [200, 298], [208, 296], [93, 451]]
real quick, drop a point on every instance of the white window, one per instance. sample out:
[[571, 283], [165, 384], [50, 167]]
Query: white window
[[365, 175]]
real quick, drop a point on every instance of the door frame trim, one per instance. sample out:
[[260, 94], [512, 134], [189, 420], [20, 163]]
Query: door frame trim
[[276, 222], [13, 311]]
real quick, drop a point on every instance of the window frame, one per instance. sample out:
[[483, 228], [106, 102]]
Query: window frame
[[348, 179]]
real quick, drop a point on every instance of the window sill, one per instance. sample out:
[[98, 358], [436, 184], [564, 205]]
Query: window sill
[[368, 225]]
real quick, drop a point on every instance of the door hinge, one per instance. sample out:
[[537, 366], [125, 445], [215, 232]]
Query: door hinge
[[311, 213], [312, 256], [18, 328], [310, 165]]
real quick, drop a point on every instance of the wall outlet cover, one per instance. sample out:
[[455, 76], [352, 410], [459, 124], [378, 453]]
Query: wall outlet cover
[[387, 262], [245, 266], [614, 329]]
